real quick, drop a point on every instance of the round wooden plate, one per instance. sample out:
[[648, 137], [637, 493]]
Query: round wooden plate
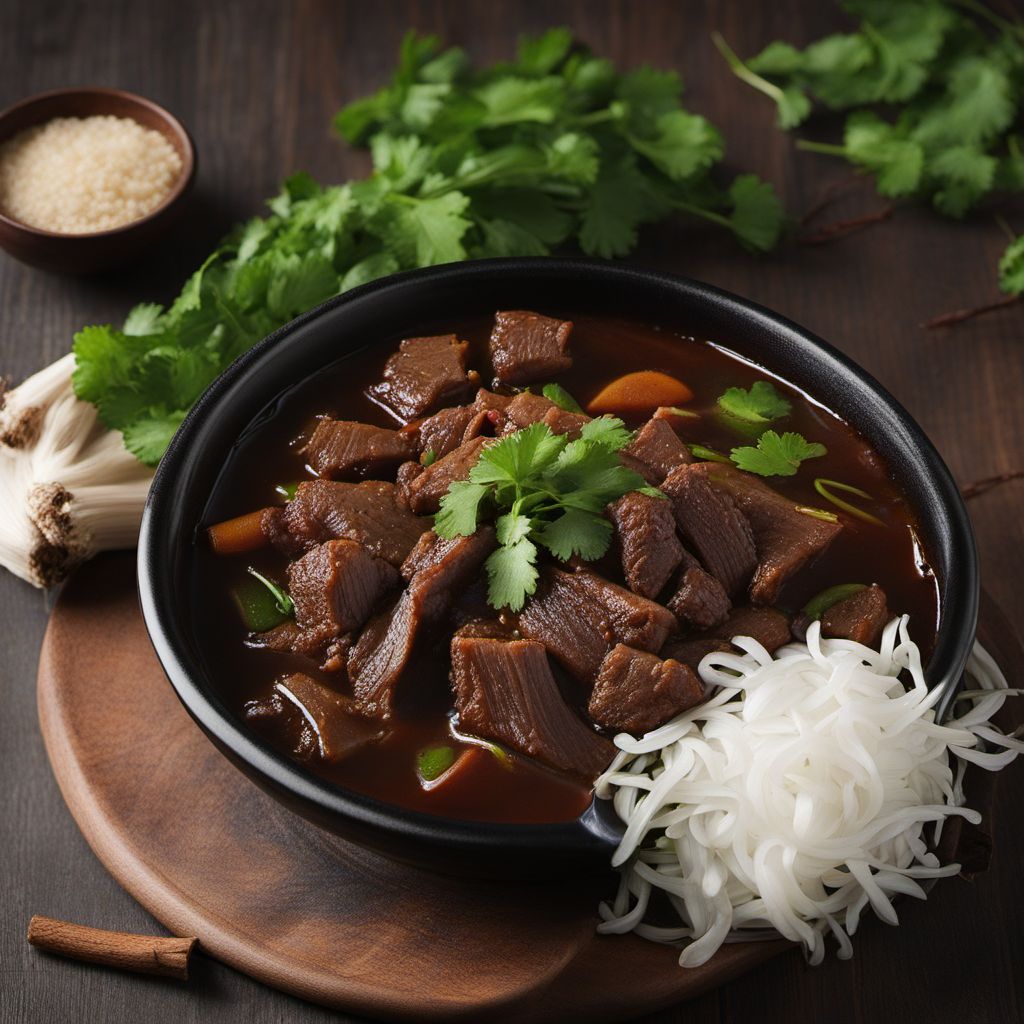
[[210, 855]]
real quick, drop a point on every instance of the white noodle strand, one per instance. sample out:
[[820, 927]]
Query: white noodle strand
[[797, 794]]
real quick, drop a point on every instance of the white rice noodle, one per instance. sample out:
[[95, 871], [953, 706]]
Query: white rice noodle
[[797, 795]]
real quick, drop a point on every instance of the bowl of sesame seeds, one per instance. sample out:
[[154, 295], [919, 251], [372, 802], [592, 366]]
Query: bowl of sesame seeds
[[89, 177]]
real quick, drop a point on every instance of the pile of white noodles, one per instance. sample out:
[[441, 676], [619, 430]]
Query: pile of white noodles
[[797, 795]]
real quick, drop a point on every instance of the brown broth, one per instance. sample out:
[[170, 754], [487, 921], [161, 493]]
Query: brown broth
[[603, 349]]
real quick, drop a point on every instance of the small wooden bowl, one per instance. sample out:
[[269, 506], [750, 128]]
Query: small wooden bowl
[[80, 254]]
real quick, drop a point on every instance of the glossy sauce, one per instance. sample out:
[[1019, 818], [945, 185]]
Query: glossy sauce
[[603, 349]]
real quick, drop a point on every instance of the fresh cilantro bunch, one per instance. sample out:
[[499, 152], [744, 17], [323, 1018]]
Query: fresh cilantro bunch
[[932, 90], [541, 490], [553, 149]]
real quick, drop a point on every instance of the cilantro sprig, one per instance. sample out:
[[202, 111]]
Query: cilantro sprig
[[760, 404], [541, 490], [777, 454], [556, 148], [950, 74]]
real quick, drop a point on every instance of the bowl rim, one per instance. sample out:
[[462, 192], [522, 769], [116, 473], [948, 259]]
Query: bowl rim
[[594, 830], [178, 189]]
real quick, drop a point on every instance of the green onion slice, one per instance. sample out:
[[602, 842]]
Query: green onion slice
[[262, 603], [433, 762], [557, 394], [821, 485], [817, 513], [287, 491], [820, 603], [709, 454]]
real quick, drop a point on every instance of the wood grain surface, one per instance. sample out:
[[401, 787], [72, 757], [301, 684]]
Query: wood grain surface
[[256, 83]]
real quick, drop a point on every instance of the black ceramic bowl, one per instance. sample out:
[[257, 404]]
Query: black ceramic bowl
[[386, 309]]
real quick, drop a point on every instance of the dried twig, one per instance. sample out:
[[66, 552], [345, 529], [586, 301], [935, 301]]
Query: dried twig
[[829, 195], [972, 490], [958, 316], [842, 228]]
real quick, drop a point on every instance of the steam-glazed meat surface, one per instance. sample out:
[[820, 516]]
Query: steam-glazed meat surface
[[429, 487], [336, 585], [785, 539], [860, 617], [340, 449], [476, 662], [578, 616], [423, 375], [527, 347], [645, 528], [713, 526], [369, 513], [637, 691], [504, 691], [658, 449]]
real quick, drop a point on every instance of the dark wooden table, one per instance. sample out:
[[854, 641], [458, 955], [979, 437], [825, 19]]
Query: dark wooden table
[[257, 83]]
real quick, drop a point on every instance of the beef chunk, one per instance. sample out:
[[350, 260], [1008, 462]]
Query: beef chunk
[[713, 526], [504, 691], [379, 657], [561, 421], [526, 346], [860, 617], [700, 600], [446, 430], [690, 652], [336, 585], [430, 486], [491, 402], [437, 571], [658, 448], [370, 513], [288, 638], [407, 472], [448, 565], [785, 539], [321, 724], [524, 409], [578, 616], [342, 449], [424, 374], [768, 626], [645, 528], [637, 691]]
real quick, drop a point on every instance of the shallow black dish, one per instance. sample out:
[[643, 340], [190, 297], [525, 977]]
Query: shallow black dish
[[385, 309]]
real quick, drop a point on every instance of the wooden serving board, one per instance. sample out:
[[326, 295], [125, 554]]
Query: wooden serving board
[[209, 854]]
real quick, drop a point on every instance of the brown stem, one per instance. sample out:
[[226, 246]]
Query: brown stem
[[147, 954], [958, 316], [841, 228], [828, 196], [972, 490]]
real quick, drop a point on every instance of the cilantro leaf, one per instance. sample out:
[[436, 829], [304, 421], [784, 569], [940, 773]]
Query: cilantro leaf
[[519, 457], [761, 404], [512, 528], [608, 431], [777, 455], [557, 394], [511, 574], [460, 507], [576, 532], [516, 158], [1011, 267]]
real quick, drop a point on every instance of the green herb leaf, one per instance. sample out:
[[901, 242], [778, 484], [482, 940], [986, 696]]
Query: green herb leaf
[[820, 603], [576, 532], [761, 404], [460, 507], [557, 394], [777, 455], [428, 458], [512, 574], [1011, 267], [282, 601], [608, 431], [508, 160]]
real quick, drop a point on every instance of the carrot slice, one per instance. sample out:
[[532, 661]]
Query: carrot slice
[[640, 392], [235, 536]]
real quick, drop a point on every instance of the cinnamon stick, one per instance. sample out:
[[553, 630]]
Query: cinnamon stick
[[147, 954]]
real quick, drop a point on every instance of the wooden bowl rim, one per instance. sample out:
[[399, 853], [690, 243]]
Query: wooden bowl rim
[[171, 128]]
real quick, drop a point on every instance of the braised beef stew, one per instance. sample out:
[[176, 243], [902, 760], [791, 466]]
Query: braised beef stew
[[352, 637]]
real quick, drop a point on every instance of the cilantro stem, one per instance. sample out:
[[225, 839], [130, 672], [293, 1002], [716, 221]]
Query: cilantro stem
[[820, 147], [700, 211], [742, 72]]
